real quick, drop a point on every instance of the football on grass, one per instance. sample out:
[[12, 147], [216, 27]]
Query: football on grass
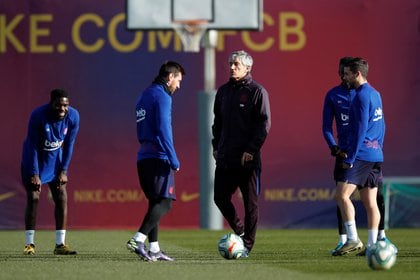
[[231, 246], [381, 256]]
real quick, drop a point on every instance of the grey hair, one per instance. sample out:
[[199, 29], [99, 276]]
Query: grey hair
[[243, 57]]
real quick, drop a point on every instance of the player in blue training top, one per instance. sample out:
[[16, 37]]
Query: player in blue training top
[[337, 107], [156, 159], [363, 164], [46, 156]]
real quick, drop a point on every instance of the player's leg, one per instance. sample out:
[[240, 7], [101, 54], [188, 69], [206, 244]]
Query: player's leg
[[250, 188], [340, 226], [344, 192], [32, 199], [381, 205], [155, 178], [368, 197], [146, 169], [225, 184], [59, 196], [156, 210], [151, 225], [376, 179], [342, 235]]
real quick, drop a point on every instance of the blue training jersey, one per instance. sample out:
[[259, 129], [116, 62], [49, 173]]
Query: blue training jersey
[[154, 125], [367, 126], [337, 105], [48, 147]]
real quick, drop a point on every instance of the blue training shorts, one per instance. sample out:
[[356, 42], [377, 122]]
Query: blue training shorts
[[363, 174], [156, 178]]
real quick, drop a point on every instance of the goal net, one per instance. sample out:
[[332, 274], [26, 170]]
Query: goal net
[[402, 201]]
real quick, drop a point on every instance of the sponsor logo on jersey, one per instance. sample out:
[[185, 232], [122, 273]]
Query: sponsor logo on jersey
[[52, 146], [345, 118], [140, 114]]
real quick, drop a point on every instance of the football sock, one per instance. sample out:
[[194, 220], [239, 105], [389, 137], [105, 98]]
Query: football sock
[[60, 236], [154, 247], [342, 238], [381, 234], [29, 236], [351, 230], [372, 236], [140, 237]]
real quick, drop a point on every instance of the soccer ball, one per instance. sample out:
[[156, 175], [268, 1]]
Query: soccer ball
[[381, 256], [231, 246]]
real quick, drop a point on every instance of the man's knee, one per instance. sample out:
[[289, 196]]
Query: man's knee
[[168, 204], [33, 196], [340, 198], [219, 200]]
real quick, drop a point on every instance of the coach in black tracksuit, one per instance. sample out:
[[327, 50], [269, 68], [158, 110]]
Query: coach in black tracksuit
[[241, 124]]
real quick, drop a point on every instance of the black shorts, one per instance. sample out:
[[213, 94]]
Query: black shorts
[[363, 174], [156, 178]]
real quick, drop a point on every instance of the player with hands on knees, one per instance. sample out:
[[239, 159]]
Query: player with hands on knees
[[46, 156]]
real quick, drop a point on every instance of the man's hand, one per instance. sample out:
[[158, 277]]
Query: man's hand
[[336, 152], [36, 182], [246, 157], [346, 165]]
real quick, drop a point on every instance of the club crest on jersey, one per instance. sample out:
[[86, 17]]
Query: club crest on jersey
[[373, 144], [140, 115]]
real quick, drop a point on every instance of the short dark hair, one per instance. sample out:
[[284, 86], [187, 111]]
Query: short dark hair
[[343, 62], [58, 93], [170, 67], [359, 64]]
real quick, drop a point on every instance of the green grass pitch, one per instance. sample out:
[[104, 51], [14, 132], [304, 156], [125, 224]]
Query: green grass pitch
[[278, 254]]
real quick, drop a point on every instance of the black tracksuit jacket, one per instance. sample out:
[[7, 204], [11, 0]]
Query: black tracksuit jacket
[[242, 120]]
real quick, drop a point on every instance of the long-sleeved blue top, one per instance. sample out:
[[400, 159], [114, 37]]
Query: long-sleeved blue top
[[337, 106], [367, 126], [154, 124], [48, 147]]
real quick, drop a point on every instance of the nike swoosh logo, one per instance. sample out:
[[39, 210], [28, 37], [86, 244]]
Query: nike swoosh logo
[[7, 195], [187, 197]]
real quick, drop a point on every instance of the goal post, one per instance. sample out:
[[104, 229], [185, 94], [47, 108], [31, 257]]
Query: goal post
[[402, 201]]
